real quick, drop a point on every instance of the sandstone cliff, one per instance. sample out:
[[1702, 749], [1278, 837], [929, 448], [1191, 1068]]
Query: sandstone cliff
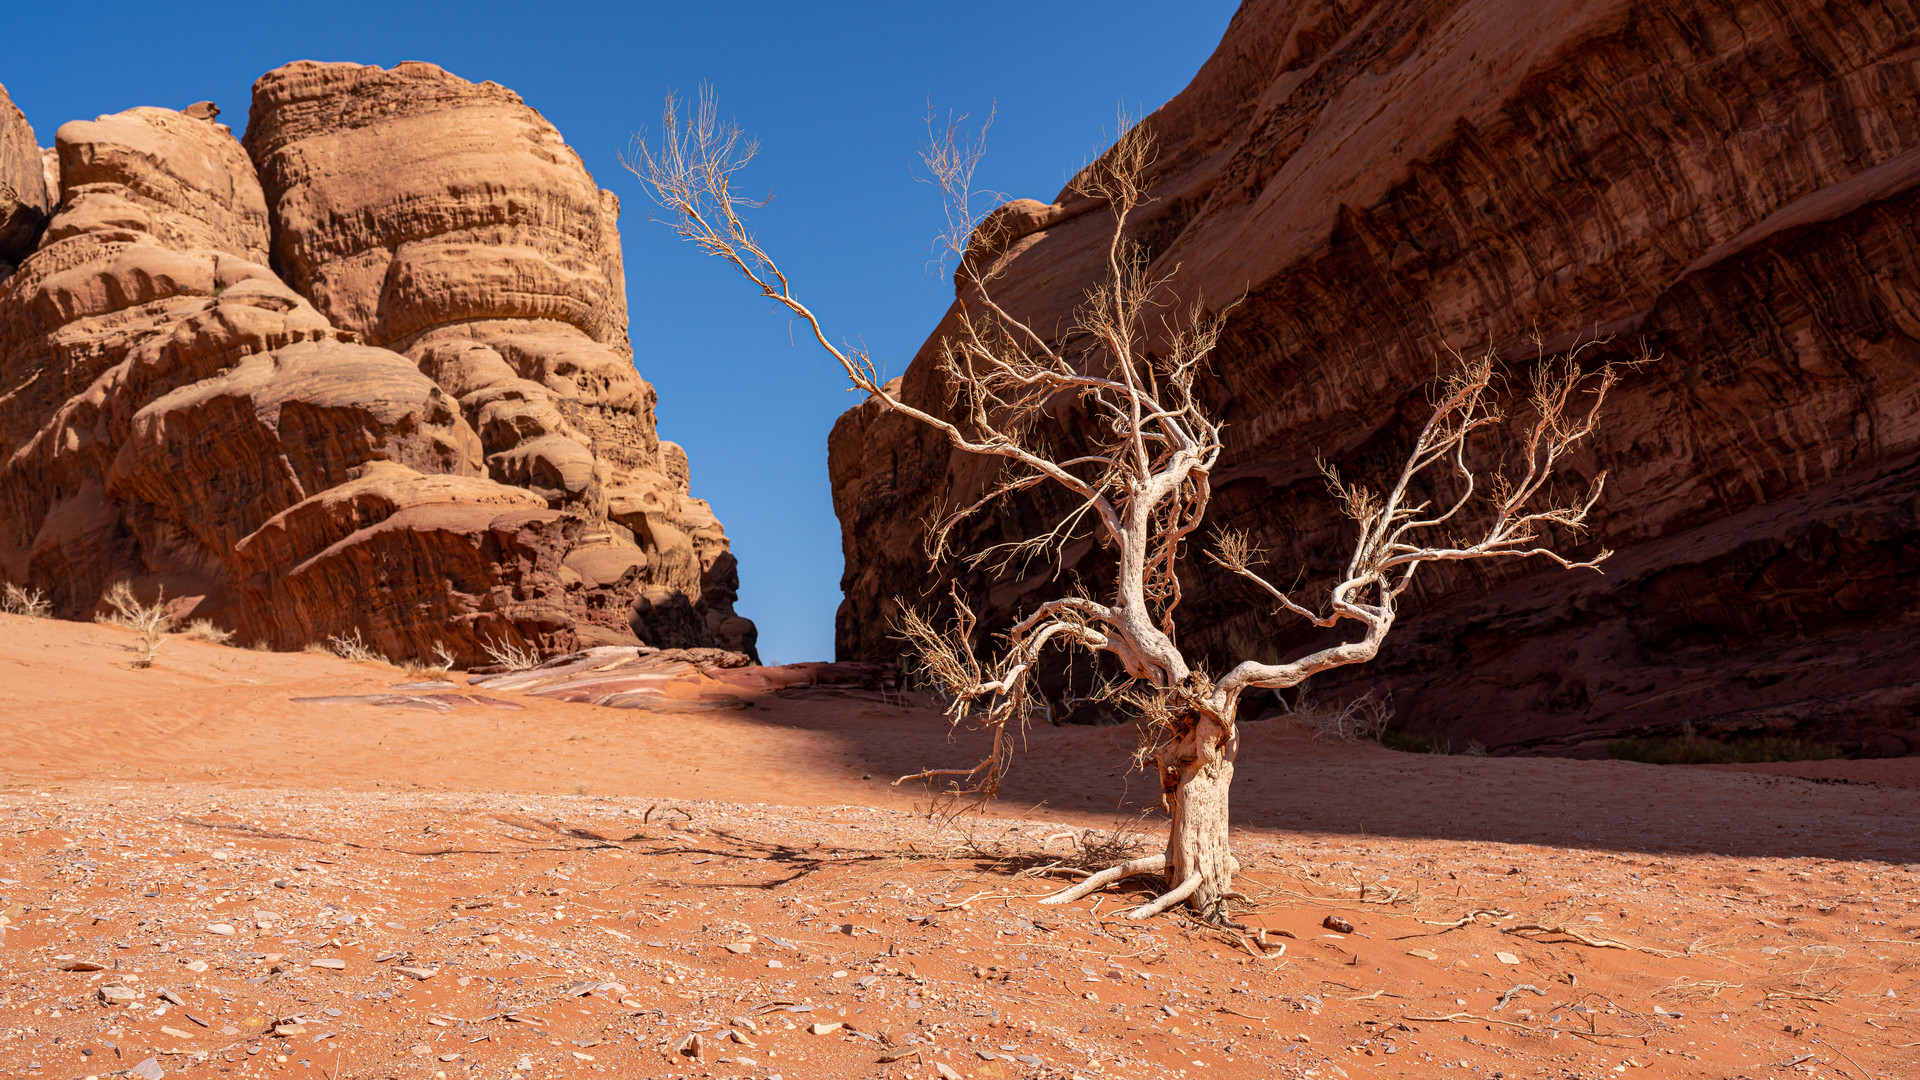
[[1736, 184], [366, 370]]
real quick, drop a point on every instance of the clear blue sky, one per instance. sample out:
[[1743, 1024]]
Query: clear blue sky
[[838, 95]]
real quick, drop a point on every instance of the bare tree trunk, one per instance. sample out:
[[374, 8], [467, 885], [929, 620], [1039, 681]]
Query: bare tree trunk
[[1196, 774]]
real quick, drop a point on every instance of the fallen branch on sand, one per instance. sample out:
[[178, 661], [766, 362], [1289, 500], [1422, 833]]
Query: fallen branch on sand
[[1583, 938], [1471, 916], [1466, 1018], [1512, 990], [1790, 995], [254, 830]]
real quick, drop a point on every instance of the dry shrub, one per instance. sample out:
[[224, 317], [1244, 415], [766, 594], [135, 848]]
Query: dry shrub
[[1025, 855], [204, 630], [150, 621], [354, 648], [1363, 719], [438, 668], [510, 656], [15, 600]]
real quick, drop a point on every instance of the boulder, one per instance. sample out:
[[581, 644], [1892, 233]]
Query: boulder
[[1381, 183]]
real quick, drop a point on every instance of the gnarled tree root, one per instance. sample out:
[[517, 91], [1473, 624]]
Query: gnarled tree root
[[1168, 899], [1145, 865]]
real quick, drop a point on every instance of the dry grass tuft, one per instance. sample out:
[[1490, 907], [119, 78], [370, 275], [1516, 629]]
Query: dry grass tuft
[[15, 600], [439, 667], [204, 630]]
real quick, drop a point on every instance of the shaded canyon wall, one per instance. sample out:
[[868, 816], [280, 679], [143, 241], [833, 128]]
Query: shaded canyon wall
[[1735, 184]]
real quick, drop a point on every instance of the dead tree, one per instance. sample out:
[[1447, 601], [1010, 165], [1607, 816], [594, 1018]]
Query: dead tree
[[1474, 485]]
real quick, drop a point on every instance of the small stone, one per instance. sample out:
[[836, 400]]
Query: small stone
[[578, 1056], [421, 974], [740, 948], [1506, 958], [1303, 1038], [1337, 924], [172, 998], [81, 965], [1423, 954], [945, 1070], [449, 1057], [197, 966], [223, 929], [746, 1022], [176, 1033], [489, 939], [825, 1029], [690, 1045], [115, 994], [148, 1070], [421, 1050], [329, 963], [1824, 950], [775, 964], [284, 1029]]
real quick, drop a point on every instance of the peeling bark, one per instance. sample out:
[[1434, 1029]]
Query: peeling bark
[[1196, 777]]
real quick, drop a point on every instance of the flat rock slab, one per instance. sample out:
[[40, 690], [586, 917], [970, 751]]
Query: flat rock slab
[[438, 703], [682, 680]]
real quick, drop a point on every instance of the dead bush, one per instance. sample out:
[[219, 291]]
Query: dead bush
[[1362, 719], [510, 656], [15, 600], [353, 647], [150, 621]]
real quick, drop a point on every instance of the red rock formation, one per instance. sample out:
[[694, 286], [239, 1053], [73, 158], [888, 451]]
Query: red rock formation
[[23, 193], [1737, 184], [434, 434]]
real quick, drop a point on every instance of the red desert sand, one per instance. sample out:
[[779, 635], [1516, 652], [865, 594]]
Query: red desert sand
[[202, 876]]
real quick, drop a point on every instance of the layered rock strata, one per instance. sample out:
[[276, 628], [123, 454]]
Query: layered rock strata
[[1737, 185], [388, 391]]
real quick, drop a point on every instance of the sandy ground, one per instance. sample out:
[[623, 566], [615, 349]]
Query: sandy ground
[[200, 876]]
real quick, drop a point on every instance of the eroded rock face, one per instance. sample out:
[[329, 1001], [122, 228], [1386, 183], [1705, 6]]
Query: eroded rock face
[[1736, 184], [425, 427], [23, 191]]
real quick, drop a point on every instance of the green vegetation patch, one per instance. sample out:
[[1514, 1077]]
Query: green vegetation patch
[[1694, 750]]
